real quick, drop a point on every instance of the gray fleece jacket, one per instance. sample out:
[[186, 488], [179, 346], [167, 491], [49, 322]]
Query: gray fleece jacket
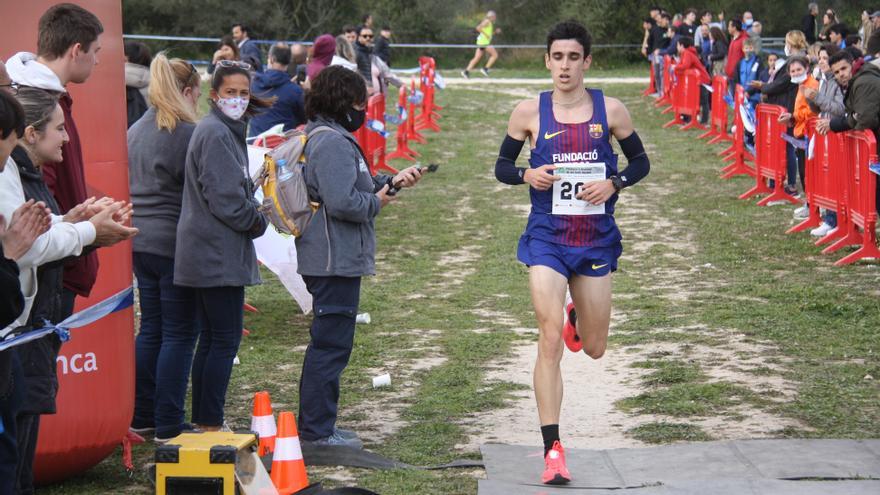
[[829, 98], [219, 217], [340, 239], [156, 159]]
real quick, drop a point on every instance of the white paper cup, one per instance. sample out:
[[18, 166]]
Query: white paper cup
[[382, 381], [363, 318]]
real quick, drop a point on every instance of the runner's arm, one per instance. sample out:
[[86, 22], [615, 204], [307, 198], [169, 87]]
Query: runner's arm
[[523, 118], [622, 127], [506, 170]]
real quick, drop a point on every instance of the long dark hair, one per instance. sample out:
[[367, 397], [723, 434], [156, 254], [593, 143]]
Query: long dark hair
[[717, 34], [255, 103], [333, 92]]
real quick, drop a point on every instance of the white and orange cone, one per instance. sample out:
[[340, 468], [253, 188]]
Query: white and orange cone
[[263, 423], [288, 468]]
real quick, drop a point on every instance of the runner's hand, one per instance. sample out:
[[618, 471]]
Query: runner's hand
[[540, 178], [596, 193]]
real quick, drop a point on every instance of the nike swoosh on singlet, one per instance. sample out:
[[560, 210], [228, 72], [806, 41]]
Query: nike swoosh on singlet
[[549, 136], [599, 267]]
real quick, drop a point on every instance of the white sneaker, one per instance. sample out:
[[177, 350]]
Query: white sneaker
[[777, 202], [822, 230], [802, 212]]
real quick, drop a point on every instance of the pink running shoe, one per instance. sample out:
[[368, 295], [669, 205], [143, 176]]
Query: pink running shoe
[[555, 472], [569, 331]]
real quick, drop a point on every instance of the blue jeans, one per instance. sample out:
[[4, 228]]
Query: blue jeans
[[791, 163], [335, 303], [164, 346], [220, 316], [830, 218]]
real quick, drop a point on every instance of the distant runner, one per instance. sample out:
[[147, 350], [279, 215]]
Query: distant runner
[[571, 240], [485, 31]]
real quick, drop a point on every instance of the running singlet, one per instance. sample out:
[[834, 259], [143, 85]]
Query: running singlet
[[557, 142], [485, 37]]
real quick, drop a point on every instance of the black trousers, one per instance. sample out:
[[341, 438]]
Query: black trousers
[[334, 309]]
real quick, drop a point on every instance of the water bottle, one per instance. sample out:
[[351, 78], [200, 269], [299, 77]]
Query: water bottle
[[393, 119], [377, 127], [283, 172], [416, 97]]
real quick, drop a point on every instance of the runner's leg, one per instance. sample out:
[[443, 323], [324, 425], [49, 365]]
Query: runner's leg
[[592, 301], [548, 295], [493, 56], [474, 61]]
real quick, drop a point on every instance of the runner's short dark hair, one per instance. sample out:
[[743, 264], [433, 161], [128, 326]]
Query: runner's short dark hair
[[571, 30], [63, 26], [334, 91]]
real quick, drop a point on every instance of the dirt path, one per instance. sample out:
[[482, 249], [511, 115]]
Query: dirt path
[[479, 80]]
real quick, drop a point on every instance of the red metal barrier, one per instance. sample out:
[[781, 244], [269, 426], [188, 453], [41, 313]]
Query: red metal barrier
[[427, 118], [824, 181], [718, 117], [666, 96], [861, 151], [411, 131], [376, 141], [686, 100], [403, 150], [737, 152], [362, 138], [651, 89], [770, 160]]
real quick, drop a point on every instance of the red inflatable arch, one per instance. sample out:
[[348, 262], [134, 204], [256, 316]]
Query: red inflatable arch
[[96, 367]]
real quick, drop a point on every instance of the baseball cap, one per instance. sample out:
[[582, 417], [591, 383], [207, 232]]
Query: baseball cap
[[875, 14]]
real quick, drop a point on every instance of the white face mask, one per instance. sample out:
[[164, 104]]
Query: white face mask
[[799, 79], [233, 108], [787, 51]]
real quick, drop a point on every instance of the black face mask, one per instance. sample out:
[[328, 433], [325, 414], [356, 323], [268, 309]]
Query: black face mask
[[353, 119]]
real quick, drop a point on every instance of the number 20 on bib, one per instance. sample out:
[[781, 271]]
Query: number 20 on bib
[[573, 178]]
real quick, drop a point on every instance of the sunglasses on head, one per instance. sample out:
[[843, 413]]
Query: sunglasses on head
[[13, 87], [234, 63]]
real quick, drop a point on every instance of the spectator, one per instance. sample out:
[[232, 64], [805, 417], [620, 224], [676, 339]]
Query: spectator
[[218, 210], [828, 19], [382, 76], [853, 40], [647, 25], [68, 41], [338, 248], [718, 56], [654, 12], [351, 33], [137, 79], [689, 59], [781, 91], [383, 45], [297, 68], [660, 42], [827, 102], [750, 69], [226, 50], [747, 21], [322, 55], [250, 52], [808, 23], [363, 50], [42, 143], [755, 36], [688, 26], [734, 50], [367, 20], [867, 26], [799, 72], [344, 54], [274, 84], [157, 147], [720, 21], [872, 46], [837, 34], [701, 38]]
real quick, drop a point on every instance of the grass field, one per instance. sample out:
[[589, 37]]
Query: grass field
[[735, 321]]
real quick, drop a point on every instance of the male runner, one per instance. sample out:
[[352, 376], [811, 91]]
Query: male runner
[[571, 240], [485, 30]]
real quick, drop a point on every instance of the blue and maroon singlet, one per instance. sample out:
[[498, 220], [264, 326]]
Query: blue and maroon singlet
[[558, 142]]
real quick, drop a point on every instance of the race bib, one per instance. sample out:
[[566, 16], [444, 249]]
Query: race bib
[[573, 177]]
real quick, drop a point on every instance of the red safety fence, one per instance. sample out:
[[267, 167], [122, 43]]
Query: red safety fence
[[411, 132], [686, 100], [651, 89], [770, 162], [737, 152], [376, 141], [718, 116], [860, 153], [403, 150], [428, 116], [825, 179], [666, 94]]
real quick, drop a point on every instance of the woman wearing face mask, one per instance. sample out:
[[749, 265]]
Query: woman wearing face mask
[[157, 145], [219, 218], [799, 72], [338, 247], [783, 92]]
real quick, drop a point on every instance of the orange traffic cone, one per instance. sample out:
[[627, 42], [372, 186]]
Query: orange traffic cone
[[263, 423], [288, 467]]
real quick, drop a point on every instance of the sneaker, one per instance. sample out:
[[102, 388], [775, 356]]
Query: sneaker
[[791, 191], [484, 71], [465, 74], [555, 472], [802, 212], [569, 331], [144, 432], [342, 432], [335, 439], [822, 230], [777, 202], [164, 437]]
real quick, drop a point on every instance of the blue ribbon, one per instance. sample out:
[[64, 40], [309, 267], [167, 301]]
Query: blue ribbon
[[117, 302]]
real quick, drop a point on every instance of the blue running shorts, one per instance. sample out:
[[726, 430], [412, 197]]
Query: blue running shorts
[[569, 260]]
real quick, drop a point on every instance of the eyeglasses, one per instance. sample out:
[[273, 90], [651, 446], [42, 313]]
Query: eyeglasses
[[234, 63], [13, 87], [367, 36]]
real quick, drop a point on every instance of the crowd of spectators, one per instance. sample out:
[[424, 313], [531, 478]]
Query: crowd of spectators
[[192, 217], [826, 70]]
